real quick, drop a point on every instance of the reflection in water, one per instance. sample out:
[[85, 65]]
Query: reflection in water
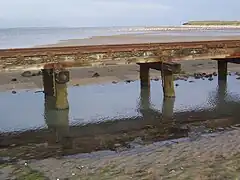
[[57, 121], [131, 115], [168, 107], [221, 95], [99, 103]]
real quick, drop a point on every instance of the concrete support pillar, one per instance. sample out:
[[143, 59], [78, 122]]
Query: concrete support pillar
[[168, 84], [168, 107], [222, 70], [55, 85], [144, 76]]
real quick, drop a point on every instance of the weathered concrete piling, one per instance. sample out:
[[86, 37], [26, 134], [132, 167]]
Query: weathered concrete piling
[[222, 70], [144, 75], [168, 84], [167, 71], [55, 85]]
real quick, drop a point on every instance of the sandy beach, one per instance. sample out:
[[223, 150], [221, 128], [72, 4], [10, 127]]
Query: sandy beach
[[137, 38]]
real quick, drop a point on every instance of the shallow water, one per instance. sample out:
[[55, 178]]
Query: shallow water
[[29, 37], [109, 102]]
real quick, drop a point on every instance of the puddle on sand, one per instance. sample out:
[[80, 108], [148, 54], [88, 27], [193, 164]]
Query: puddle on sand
[[108, 115]]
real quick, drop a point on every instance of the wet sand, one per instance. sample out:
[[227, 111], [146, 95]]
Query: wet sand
[[137, 38], [83, 76]]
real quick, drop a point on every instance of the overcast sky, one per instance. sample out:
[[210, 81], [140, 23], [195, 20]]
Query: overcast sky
[[33, 13]]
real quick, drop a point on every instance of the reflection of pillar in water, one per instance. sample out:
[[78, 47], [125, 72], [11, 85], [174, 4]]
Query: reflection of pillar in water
[[145, 98], [221, 93], [56, 120], [168, 107], [145, 102]]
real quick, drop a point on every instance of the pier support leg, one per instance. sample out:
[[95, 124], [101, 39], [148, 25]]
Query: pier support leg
[[222, 70], [144, 76], [168, 107], [55, 85], [168, 84]]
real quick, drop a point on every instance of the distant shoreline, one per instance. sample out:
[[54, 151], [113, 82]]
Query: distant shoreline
[[212, 23]]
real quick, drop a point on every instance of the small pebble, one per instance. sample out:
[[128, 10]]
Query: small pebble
[[39, 73], [26, 74], [176, 85], [210, 78], [14, 92], [172, 171], [13, 79], [95, 75], [114, 82]]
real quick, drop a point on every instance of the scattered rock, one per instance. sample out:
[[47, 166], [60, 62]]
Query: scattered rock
[[197, 75], [114, 82], [26, 74], [172, 171], [237, 73], [214, 74], [117, 145], [191, 81], [176, 85], [156, 79], [128, 81], [14, 92], [238, 77], [210, 78], [95, 75], [14, 79], [76, 84], [39, 92], [39, 73]]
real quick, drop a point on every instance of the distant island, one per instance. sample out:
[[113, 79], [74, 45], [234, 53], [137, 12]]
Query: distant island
[[212, 23]]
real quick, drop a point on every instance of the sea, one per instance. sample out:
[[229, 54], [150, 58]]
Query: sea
[[33, 36]]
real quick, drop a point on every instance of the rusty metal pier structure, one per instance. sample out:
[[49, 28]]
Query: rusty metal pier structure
[[164, 57]]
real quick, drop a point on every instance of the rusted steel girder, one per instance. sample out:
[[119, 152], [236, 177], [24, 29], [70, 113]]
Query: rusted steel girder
[[119, 54]]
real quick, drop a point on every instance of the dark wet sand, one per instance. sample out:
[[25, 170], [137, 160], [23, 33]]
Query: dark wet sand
[[137, 38]]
